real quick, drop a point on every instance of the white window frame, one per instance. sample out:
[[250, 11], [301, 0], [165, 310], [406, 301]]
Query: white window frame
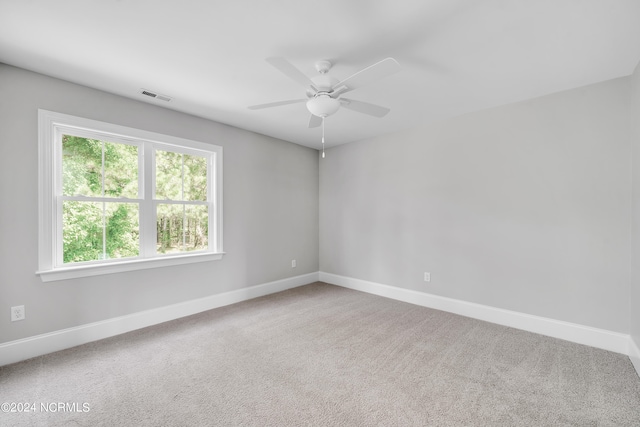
[[51, 125]]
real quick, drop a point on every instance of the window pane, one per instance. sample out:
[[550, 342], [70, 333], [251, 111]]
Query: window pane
[[195, 178], [182, 228], [169, 228], [85, 226], [120, 170], [81, 166], [122, 230], [82, 234], [196, 227], [180, 176], [168, 175]]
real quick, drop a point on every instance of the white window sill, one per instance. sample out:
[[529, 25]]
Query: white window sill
[[119, 267]]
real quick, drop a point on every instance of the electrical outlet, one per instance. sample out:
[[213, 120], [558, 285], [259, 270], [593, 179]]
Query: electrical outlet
[[427, 276], [293, 263], [17, 313]]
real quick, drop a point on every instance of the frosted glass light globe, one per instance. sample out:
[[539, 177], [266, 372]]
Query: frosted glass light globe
[[322, 105]]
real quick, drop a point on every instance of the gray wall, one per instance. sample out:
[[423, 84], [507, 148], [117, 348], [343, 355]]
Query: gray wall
[[525, 207], [270, 211], [634, 300]]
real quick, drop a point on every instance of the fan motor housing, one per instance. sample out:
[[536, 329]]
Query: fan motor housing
[[324, 82]]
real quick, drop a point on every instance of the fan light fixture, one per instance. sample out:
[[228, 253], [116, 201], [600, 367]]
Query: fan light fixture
[[323, 105]]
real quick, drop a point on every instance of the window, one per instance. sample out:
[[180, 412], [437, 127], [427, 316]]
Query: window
[[115, 199]]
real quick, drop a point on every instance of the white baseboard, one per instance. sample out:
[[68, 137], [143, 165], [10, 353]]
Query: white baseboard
[[599, 338], [15, 351], [634, 354]]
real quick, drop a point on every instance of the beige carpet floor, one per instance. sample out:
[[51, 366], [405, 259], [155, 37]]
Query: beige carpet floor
[[325, 356]]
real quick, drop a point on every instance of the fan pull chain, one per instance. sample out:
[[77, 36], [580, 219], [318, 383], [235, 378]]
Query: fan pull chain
[[323, 137]]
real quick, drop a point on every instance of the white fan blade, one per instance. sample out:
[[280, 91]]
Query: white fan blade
[[315, 121], [290, 71], [276, 104], [337, 90], [374, 72], [364, 107]]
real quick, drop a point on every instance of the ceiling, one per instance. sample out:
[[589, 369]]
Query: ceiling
[[457, 56]]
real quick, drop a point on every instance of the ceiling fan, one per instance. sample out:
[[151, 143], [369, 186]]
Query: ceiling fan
[[323, 95]]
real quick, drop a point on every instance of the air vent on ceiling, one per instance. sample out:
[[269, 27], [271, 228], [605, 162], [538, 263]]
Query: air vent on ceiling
[[155, 95]]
